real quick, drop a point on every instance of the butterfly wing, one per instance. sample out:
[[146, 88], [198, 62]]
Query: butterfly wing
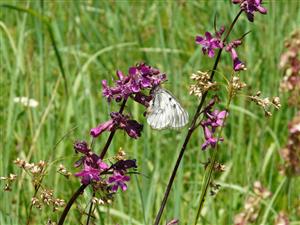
[[165, 111]]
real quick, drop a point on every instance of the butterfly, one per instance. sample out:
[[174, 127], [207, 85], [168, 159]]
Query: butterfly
[[165, 111]]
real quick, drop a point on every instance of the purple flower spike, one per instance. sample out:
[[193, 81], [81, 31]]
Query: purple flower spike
[[118, 180], [92, 164], [139, 78], [214, 119], [118, 120], [250, 7]]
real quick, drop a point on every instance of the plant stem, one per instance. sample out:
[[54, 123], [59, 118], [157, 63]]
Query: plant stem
[[183, 148], [31, 204], [207, 178], [83, 186], [70, 203], [191, 129], [90, 211]]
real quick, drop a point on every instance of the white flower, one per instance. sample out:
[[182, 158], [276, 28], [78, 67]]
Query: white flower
[[29, 102]]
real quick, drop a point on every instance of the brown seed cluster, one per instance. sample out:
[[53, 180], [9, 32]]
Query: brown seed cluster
[[282, 219], [202, 84], [36, 170], [237, 84], [46, 198], [121, 155], [290, 64], [291, 152], [63, 171], [9, 181], [266, 103], [33, 168], [252, 205]]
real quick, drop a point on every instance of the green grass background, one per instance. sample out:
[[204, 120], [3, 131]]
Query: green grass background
[[95, 38]]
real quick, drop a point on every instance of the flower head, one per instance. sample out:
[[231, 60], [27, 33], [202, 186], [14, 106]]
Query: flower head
[[202, 84], [210, 43], [118, 181], [92, 163], [118, 120], [250, 7], [214, 119], [139, 77], [123, 165], [88, 174], [237, 63]]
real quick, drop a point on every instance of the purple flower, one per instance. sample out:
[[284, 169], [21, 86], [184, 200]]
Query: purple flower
[[237, 64], [133, 128], [88, 174], [81, 146], [92, 168], [118, 180], [92, 163], [142, 99], [118, 120], [250, 7], [106, 126], [214, 119], [123, 165], [209, 43], [209, 139], [139, 78]]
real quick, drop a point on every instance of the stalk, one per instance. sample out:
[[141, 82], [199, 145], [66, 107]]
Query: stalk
[[191, 128], [207, 178], [83, 186]]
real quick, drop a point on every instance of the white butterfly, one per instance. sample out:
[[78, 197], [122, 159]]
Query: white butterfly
[[165, 111]]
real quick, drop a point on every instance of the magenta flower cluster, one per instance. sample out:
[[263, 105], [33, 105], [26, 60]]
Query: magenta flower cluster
[[139, 77], [119, 121], [94, 169], [211, 42], [250, 7], [91, 162], [213, 120]]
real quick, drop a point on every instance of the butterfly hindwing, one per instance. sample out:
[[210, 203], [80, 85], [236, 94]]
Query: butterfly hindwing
[[165, 111]]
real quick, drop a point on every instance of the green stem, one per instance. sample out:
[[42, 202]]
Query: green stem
[[208, 174], [268, 209]]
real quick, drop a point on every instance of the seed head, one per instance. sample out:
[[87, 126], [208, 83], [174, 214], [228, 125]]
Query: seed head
[[202, 83], [266, 103]]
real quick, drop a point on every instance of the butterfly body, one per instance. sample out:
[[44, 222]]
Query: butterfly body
[[165, 111]]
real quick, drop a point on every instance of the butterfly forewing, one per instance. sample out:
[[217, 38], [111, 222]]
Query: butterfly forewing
[[165, 111]]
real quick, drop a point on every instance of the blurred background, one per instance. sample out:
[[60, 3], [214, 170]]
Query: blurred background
[[60, 62]]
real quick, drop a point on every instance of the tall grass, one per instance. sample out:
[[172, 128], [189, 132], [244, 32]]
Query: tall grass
[[91, 41]]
